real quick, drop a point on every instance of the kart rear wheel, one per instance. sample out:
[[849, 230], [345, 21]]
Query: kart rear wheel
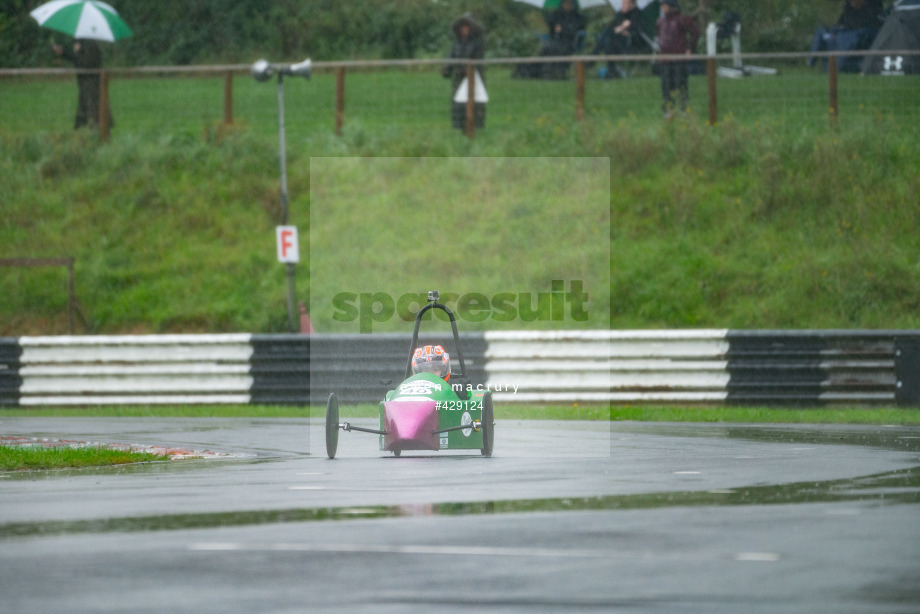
[[488, 426], [332, 425]]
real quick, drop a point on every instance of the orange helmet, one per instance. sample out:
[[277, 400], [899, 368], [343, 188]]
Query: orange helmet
[[431, 359]]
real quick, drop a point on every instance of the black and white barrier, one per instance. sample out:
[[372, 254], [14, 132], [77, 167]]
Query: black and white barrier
[[796, 368], [121, 370]]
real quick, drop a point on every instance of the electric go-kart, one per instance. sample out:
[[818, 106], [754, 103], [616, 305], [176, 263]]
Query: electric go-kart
[[425, 412]]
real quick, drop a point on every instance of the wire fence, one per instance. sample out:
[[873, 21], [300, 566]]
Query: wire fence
[[73, 305], [410, 95]]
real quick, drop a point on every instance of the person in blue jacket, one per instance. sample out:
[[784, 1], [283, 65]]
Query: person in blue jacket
[[856, 28]]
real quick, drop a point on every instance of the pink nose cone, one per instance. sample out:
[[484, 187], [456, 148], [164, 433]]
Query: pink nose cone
[[410, 425]]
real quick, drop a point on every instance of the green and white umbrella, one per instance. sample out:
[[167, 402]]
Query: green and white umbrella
[[82, 19], [554, 4], [583, 4]]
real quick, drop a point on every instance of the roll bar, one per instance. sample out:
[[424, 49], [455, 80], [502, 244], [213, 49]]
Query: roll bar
[[433, 303]]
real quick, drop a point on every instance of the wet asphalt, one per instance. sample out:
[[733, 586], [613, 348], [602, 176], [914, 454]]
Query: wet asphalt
[[566, 516]]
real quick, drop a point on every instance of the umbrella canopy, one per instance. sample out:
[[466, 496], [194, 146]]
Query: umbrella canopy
[[554, 4], [584, 4], [82, 19], [641, 4]]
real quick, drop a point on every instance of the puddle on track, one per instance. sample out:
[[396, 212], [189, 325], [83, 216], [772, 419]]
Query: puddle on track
[[893, 487], [895, 438]]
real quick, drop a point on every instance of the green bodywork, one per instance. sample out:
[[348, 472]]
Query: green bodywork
[[453, 410]]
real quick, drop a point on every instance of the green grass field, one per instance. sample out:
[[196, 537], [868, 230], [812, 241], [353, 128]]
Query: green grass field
[[770, 219]]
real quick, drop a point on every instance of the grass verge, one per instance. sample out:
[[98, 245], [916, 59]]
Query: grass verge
[[640, 413], [25, 458]]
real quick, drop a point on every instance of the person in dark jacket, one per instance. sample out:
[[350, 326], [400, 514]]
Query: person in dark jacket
[[85, 55], [856, 28], [469, 43], [622, 36], [565, 25], [677, 35]]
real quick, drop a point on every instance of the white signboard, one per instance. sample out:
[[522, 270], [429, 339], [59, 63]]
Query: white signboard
[[479, 95], [287, 244]]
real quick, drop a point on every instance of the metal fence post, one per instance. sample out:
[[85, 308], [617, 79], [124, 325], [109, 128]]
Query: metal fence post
[[71, 294]]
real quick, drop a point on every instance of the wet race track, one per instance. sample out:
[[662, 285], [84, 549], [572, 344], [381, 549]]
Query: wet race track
[[566, 516]]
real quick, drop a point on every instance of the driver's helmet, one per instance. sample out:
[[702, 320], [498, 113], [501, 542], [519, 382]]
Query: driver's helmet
[[431, 359]]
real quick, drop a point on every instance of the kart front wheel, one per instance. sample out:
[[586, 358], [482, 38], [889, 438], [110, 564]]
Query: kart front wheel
[[488, 424], [332, 425]]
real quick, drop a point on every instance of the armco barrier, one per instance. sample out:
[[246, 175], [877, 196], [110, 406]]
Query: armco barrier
[[145, 369], [209, 369], [800, 368], [10, 380], [601, 366], [819, 367]]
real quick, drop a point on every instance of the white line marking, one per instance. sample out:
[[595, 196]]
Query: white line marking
[[767, 557], [407, 549], [357, 489], [450, 550]]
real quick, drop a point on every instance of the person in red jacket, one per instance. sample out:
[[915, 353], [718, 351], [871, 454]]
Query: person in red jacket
[[677, 35]]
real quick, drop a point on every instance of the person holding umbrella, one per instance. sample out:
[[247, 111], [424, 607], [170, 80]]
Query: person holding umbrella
[[85, 55], [87, 21]]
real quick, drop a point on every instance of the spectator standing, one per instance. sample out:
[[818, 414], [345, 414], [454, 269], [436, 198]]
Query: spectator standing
[[85, 55], [469, 43], [677, 35]]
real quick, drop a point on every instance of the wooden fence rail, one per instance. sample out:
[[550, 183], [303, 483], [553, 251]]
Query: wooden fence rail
[[340, 68]]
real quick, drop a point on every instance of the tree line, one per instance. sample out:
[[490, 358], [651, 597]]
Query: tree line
[[183, 32]]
